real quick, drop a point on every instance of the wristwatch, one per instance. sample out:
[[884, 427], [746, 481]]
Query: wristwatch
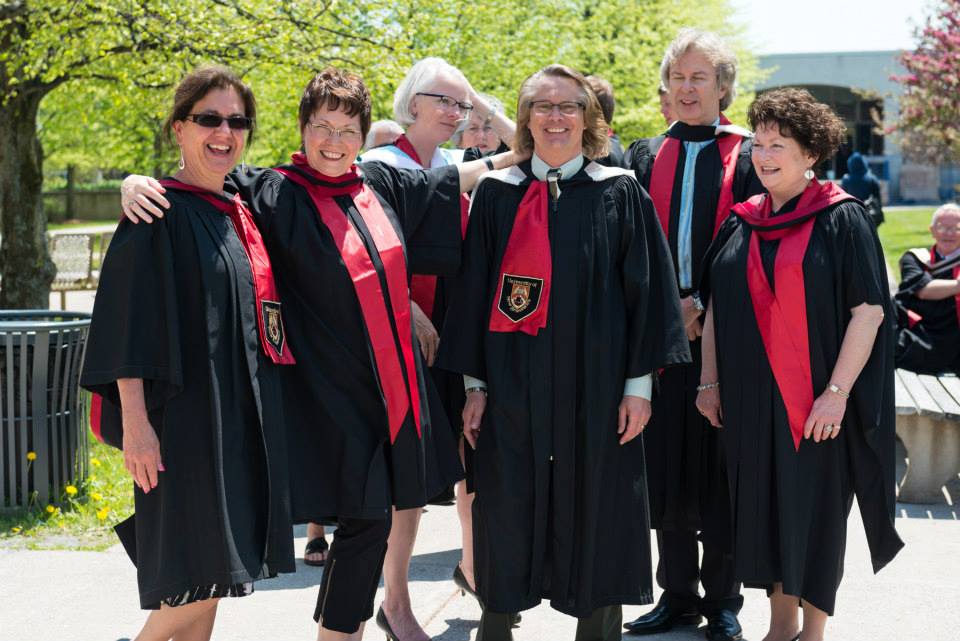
[[697, 303]]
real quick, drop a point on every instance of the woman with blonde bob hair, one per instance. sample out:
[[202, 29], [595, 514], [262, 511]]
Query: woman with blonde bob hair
[[565, 303]]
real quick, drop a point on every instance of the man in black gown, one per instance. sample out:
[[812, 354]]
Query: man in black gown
[[564, 306], [928, 339], [695, 173]]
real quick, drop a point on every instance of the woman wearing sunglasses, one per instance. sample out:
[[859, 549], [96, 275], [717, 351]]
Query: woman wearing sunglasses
[[432, 102], [184, 349], [365, 428]]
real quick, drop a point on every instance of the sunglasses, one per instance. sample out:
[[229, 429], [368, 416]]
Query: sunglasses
[[212, 121]]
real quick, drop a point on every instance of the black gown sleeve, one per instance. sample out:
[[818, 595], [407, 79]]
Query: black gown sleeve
[[655, 323], [913, 277], [135, 331], [871, 435], [259, 187], [427, 205], [464, 328]]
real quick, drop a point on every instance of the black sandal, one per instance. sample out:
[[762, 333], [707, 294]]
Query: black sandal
[[315, 546]]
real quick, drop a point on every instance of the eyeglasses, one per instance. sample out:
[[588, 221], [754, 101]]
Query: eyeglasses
[[449, 103], [567, 108], [212, 121], [329, 132], [940, 227]]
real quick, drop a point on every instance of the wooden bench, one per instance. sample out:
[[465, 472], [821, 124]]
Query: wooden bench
[[928, 423], [77, 258]]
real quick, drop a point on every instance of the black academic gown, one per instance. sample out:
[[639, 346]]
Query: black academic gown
[[176, 307], [561, 509], [683, 452], [790, 507], [932, 345], [342, 462]]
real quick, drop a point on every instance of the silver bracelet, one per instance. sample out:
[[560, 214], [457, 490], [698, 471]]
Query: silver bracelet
[[476, 388], [706, 386], [837, 390]]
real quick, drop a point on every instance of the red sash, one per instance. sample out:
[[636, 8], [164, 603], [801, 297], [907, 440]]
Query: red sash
[[423, 287], [956, 298], [269, 318], [664, 173], [523, 290], [398, 381], [782, 315]]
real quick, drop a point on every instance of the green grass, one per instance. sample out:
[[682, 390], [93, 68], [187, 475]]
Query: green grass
[[71, 224], [82, 520], [904, 229]]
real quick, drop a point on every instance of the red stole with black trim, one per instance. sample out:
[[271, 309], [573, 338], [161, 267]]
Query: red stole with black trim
[[956, 274], [664, 173], [395, 366], [523, 290], [269, 318], [782, 315], [423, 287]]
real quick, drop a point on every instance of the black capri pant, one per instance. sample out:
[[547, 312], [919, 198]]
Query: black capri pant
[[352, 573]]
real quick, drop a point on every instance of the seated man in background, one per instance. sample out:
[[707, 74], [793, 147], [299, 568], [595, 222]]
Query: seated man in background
[[928, 300]]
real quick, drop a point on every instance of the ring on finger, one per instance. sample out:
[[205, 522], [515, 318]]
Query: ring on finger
[[828, 428]]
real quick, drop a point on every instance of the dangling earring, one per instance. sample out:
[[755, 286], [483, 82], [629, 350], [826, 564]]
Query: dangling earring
[[181, 164], [808, 174]]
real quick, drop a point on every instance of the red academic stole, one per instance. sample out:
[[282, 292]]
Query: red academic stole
[[423, 288], [782, 316], [401, 393], [664, 173], [269, 319], [523, 292], [956, 274]]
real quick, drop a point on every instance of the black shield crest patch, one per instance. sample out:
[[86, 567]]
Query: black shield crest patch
[[519, 296], [272, 324]]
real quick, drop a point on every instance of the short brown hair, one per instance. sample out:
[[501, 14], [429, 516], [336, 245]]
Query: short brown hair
[[798, 115], [201, 81], [596, 144], [336, 89], [604, 91]]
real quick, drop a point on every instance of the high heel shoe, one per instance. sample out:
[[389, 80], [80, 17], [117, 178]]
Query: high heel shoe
[[461, 582], [384, 625]]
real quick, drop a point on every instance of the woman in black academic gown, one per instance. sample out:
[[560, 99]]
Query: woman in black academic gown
[[798, 369], [565, 305], [366, 429], [184, 343]]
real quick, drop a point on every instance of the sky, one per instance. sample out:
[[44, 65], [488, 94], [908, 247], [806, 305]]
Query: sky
[[810, 26]]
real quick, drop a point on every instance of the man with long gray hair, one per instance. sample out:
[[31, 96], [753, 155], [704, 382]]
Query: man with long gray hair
[[694, 173]]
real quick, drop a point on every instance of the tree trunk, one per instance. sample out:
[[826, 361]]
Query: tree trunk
[[25, 266]]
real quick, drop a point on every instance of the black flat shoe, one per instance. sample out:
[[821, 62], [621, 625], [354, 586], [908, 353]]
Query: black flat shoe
[[723, 626], [317, 545], [461, 582], [661, 619], [384, 625]]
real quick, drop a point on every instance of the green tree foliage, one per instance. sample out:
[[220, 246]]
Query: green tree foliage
[[929, 124], [104, 71], [117, 54]]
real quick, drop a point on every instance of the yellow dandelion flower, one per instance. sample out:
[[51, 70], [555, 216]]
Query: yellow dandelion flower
[[95, 462], [51, 509], [71, 490], [96, 496], [15, 529], [31, 456], [102, 513]]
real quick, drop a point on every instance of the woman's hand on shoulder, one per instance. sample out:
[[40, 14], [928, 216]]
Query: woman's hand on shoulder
[[141, 198]]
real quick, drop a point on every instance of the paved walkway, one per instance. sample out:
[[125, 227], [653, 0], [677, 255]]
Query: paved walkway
[[91, 596]]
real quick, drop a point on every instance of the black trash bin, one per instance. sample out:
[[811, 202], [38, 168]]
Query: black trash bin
[[41, 407]]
